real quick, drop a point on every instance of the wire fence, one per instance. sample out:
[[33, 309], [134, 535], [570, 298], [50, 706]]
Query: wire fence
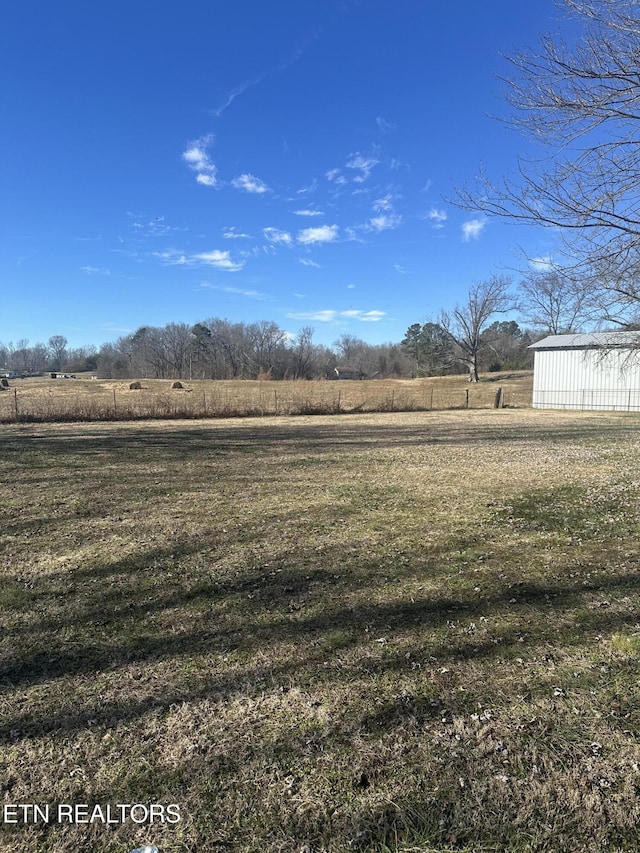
[[84, 400], [588, 399]]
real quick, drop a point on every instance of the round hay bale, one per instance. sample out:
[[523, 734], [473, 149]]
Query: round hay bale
[[4, 382], [135, 386], [177, 384]]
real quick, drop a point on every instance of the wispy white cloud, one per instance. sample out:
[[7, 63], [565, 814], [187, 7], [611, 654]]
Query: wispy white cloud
[[384, 222], [322, 234], [384, 126], [542, 264], [308, 213], [354, 233], [322, 316], [239, 291], [364, 316], [215, 258], [158, 227], [231, 234], [145, 226], [382, 204], [235, 93], [361, 164], [219, 259], [295, 55], [196, 156], [336, 177], [313, 186], [111, 327], [472, 228], [308, 263], [399, 268], [89, 270], [437, 217], [275, 235], [331, 315], [250, 184]]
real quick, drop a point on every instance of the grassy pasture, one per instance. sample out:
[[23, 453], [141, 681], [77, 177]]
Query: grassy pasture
[[44, 399], [403, 632]]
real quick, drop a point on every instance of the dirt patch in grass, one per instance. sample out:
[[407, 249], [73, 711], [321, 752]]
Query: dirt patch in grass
[[397, 632]]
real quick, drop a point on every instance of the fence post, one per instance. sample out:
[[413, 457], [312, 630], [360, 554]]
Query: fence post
[[466, 399], [115, 408], [499, 399], [15, 401]]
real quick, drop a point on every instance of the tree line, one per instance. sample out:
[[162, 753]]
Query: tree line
[[219, 349], [468, 338], [211, 349], [32, 359]]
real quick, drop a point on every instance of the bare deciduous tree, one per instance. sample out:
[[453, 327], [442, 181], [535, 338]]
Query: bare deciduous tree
[[581, 103], [57, 346], [552, 301], [465, 324]]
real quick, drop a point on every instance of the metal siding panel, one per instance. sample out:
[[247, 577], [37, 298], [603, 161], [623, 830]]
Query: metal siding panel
[[586, 379]]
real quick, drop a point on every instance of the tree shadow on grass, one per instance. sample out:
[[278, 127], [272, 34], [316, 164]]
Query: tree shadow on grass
[[342, 435], [115, 615]]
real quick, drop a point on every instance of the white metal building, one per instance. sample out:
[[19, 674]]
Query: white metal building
[[594, 371]]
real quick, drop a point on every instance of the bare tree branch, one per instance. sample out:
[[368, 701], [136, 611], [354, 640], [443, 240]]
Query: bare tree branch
[[580, 103]]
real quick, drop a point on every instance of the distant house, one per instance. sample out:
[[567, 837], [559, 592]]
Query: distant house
[[346, 372], [594, 371], [8, 374]]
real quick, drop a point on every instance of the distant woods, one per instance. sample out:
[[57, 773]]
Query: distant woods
[[471, 338], [220, 349], [211, 349]]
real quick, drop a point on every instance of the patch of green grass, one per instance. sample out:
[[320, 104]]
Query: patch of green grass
[[626, 643], [584, 511], [13, 595]]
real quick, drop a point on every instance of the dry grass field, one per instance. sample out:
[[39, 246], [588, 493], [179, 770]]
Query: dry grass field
[[397, 633], [44, 399]]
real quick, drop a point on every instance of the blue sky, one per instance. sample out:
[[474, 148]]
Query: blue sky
[[289, 161]]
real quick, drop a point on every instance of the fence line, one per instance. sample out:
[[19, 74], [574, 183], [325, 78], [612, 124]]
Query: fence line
[[588, 399], [108, 402]]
